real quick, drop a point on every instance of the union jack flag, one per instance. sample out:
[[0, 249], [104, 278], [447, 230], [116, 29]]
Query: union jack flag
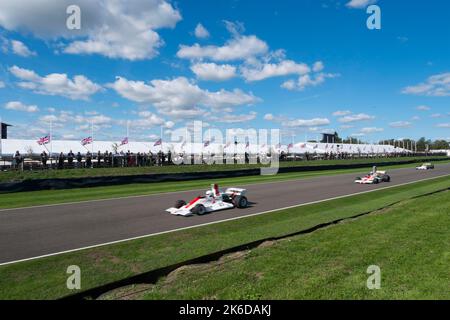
[[124, 141], [158, 143], [290, 145], [43, 140], [86, 141]]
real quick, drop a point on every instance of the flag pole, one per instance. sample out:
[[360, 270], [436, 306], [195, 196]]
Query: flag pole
[[51, 144], [92, 135]]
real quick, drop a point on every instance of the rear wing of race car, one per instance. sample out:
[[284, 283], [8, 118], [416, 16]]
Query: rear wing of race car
[[381, 172], [235, 192]]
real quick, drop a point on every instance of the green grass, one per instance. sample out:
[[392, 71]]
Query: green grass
[[410, 242], [7, 176], [46, 278], [45, 197]]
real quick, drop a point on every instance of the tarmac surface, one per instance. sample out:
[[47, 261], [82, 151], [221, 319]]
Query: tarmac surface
[[45, 230]]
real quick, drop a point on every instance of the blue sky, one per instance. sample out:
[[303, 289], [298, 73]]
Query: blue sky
[[305, 67]]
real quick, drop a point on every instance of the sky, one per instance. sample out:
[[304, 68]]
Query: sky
[[303, 66]]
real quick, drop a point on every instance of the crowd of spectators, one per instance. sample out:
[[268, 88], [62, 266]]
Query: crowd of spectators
[[141, 159]]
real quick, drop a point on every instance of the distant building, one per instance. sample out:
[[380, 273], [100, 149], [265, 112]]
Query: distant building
[[5, 130], [329, 137]]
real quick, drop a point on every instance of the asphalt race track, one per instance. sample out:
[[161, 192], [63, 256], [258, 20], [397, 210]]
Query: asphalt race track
[[36, 231]]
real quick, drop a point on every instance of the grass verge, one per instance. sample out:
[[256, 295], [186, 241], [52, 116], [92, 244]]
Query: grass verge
[[409, 242], [46, 278], [45, 197]]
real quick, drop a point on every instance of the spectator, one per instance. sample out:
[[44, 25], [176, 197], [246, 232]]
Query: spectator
[[88, 160], [61, 161], [70, 157], [99, 158], [19, 160], [169, 157], [79, 159], [139, 159], [44, 159]]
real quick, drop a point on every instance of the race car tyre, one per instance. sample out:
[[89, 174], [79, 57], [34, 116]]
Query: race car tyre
[[375, 181], [180, 203], [358, 178], [199, 209], [240, 202], [387, 179]]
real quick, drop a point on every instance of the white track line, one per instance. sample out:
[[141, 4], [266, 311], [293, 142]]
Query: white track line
[[181, 191], [218, 221]]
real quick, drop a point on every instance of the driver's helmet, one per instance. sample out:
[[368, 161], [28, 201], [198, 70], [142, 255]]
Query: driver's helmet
[[209, 193]]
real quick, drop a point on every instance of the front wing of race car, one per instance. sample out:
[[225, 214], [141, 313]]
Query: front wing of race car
[[365, 180], [186, 210]]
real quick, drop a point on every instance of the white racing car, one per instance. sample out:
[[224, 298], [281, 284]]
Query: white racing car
[[374, 177], [214, 200], [425, 166]]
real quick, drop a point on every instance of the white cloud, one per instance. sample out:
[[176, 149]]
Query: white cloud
[[239, 48], [2, 85], [21, 49], [268, 70], [435, 86], [116, 29], [147, 120], [360, 4], [371, 130], [201, 32], [19, 106], [356, 118], [231, 118], [307, 123], [400, 124], [56, 84], [269, 117], [318, 66], [443, 125], [307, 81], [179, 97], [423, 108], [341, 113], [437, 115], [213, 72]]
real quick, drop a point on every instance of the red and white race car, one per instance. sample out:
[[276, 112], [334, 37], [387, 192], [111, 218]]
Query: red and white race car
[[214, 200], [374, 177]]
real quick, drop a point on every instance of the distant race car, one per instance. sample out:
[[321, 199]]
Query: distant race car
[[374, 177], [214, 200], [425, 166]]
